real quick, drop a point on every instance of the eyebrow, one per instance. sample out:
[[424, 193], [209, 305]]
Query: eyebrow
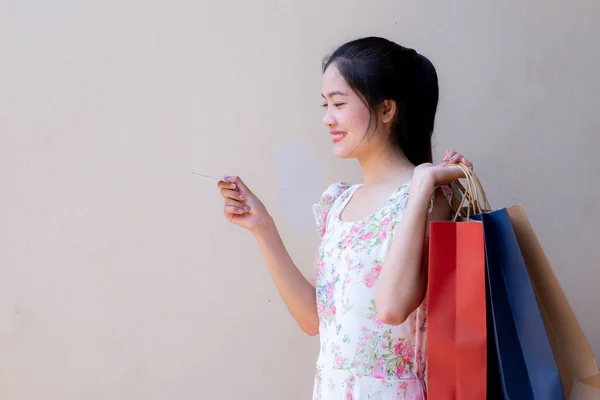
[[335, 92]]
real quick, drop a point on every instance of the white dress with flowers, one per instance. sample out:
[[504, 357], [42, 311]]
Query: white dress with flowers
[[361, 357]]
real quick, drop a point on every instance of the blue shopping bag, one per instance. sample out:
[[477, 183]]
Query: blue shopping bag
[[525, 362]]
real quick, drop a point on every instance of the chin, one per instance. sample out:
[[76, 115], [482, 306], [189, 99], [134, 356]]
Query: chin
[[342, 153]]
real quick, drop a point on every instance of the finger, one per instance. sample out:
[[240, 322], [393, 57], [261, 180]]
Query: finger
[[449, 155], [236, 180], [233, 210], [455, 158], [466, 162], [455, 173], [226, 185], [236, 204], [233, 194]]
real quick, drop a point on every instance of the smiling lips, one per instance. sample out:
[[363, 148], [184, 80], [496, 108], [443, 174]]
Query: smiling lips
[[337, 135]]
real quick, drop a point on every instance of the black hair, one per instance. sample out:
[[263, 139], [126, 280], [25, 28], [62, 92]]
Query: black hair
[[378, 69]]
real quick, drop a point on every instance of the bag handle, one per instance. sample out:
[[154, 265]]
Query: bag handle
[[474, 199]]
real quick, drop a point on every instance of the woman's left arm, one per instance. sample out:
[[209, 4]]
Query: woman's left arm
[[402, 283]]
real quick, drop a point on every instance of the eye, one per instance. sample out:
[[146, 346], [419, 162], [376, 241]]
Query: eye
[[336, 105]]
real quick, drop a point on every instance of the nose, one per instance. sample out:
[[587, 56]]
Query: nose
[[328, 119]]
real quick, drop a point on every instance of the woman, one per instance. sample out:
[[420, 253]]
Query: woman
[[366, 294]]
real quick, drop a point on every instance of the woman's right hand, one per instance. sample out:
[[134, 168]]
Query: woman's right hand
[[241, 206]]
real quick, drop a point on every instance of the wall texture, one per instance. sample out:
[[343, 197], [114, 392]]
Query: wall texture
[[119, 278]]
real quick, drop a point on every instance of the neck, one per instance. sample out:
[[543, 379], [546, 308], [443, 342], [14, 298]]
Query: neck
[[385, 166]]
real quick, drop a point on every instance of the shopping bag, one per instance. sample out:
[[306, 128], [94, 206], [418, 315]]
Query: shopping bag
[[456, 333], [525, 360], [456, 317], [574, 357]]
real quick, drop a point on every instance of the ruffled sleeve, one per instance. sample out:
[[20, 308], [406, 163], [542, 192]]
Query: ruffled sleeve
[[323, 207], [400, 205], [401, 200], [449, 193]]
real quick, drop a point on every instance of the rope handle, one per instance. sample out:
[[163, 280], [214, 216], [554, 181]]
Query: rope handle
[[474, 200]]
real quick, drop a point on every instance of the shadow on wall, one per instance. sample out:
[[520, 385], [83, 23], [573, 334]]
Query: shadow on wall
[[301, 181]]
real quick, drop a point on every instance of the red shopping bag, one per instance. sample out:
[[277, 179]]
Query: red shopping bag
[[456, 333]]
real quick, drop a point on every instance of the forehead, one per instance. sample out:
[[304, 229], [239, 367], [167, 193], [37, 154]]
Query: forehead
[[333, 81]]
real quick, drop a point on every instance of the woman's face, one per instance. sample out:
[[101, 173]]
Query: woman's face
[[347, 118]]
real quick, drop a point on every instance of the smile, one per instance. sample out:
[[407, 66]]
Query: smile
[[337, 136]]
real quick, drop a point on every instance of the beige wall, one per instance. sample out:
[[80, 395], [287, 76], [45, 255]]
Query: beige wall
[[119, 278]]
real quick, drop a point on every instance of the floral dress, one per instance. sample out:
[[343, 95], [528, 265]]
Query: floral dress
[[361, 357]]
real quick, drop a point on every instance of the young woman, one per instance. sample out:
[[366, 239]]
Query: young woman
[[366, 296]]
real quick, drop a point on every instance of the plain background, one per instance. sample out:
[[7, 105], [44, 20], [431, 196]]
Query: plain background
[[119, 277]]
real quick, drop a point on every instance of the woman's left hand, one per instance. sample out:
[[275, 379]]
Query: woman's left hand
[[437, 175]]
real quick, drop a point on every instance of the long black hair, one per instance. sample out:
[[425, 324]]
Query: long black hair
[[378, 69]]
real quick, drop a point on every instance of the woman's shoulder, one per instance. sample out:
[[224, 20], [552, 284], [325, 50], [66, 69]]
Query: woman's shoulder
[[321, 210], [333, 191]]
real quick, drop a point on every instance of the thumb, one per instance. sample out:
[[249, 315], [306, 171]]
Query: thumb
[[454, 172], [241, 186]]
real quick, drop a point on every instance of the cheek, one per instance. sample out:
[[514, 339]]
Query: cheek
[[355, 120]]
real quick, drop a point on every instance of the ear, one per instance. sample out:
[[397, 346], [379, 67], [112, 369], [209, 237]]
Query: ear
[[387, 111]]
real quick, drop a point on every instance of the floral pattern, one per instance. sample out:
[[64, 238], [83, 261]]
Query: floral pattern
[[361, 357]]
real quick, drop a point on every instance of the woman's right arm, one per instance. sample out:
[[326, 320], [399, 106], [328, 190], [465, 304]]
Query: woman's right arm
[[244, 209], [296, 291]]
